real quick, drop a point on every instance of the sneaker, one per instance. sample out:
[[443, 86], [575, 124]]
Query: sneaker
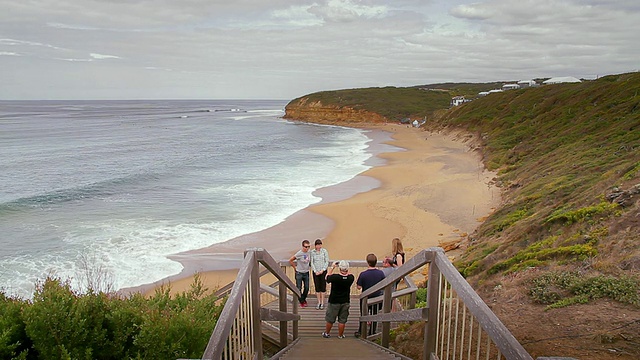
[[325, 335], [341, 336], [303, 304], [319, 306]]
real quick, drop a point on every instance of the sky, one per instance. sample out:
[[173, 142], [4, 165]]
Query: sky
[[283, 49]]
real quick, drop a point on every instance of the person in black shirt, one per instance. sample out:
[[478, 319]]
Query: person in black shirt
[[339, 298]]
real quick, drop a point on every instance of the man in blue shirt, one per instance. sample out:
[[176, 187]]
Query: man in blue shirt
[[369, 278]]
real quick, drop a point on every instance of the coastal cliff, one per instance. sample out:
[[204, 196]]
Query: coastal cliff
[[305, 109], [370, 105]]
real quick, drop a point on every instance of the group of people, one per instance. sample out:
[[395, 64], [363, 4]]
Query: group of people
[[317, 263]]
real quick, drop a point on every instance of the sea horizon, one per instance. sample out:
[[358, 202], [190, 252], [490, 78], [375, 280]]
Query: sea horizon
[[121, 185]]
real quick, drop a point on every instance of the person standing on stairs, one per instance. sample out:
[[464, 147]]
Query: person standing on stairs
[[367, 279], [319, 265], [338, 307], [397, 251], [300, 263]]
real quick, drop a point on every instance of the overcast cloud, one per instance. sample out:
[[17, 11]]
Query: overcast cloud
[[282, 49]]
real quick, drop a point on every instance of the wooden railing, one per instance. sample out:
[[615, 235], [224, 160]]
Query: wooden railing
[[457, 323], [238, 332]]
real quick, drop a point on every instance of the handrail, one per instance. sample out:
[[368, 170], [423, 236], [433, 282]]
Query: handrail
[[444, 281], [242, 311], [499, 334], [222, 329]]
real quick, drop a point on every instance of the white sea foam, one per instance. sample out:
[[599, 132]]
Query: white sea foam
[[205, 182]]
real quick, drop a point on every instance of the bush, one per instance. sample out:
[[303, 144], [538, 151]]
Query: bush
[[13, 338], [421, 298], [61, 323]]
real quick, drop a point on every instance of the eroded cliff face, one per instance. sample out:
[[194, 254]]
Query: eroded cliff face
[[314, 111]]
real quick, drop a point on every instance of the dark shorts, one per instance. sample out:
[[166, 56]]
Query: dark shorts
[[340, 311], [320, 281]]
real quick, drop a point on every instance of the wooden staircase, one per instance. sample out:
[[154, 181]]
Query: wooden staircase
[[311, 344], [312, 321]]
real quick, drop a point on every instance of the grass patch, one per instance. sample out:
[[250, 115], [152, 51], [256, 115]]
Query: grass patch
[[560, 289], [579, 215], [540, 252], [467, 268]]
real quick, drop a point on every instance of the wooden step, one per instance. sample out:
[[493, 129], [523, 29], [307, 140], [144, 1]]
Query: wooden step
[[312, 321], [334, 348]]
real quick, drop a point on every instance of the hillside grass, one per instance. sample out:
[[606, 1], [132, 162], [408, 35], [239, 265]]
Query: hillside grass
[[391, 102], [558, 151]]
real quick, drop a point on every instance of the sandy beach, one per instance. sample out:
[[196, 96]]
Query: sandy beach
[[434, 191]]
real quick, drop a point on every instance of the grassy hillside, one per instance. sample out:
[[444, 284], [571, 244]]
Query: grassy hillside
[[568, 232], [390, 102], [559, 151]]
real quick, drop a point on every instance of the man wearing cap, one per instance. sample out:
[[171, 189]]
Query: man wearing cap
[[339, 298]]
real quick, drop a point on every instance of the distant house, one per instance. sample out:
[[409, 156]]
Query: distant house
[[561, 79], [483, 93], [506, 87], [495, 91], [527, 83], [458, 100]]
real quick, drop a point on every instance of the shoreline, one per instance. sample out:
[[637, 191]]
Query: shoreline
[[432, 189]]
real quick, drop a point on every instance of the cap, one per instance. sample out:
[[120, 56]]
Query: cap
[[343, 265]]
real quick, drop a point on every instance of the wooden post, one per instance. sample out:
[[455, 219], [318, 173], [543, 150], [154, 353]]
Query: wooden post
[[386, 308], [255, 309], [433, 303], [282, 294], [364, 311]]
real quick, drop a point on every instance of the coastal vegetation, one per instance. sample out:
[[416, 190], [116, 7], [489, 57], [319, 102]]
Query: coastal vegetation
[[63, 323], [567, 158], [559, 152]]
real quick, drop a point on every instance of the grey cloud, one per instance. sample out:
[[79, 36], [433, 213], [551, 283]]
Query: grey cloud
[[284, 49], [472, 12]]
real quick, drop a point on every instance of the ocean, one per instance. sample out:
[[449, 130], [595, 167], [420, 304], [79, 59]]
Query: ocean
[[117, 186]]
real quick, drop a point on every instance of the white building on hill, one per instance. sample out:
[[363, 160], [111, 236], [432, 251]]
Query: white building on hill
[[458, 100], [527, 83], [561, 79], [506, 87]]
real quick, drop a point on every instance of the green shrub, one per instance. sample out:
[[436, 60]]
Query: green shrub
[[582, 214], [421, 298], [61, 323], [559, 289], [13, 338], [539, 252], [177, 327]]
